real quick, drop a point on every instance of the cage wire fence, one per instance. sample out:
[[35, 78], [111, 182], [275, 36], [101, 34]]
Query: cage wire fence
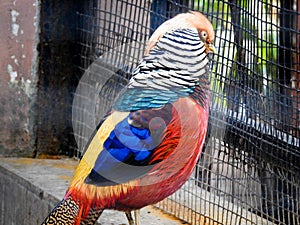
[[249, 170]]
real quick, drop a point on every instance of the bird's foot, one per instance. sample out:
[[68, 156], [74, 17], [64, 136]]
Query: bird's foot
[[136, 217]]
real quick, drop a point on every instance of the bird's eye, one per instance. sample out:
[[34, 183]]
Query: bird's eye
[[203, 35]]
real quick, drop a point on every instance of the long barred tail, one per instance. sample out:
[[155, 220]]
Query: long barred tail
[[64, 213], [67, 212], [92, 217]]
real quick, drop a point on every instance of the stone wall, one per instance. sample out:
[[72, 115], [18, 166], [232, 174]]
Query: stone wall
[[39, 72], [22, 202], [18, 75]]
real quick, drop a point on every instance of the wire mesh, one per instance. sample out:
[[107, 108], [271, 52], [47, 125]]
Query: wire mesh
[[248, 172]]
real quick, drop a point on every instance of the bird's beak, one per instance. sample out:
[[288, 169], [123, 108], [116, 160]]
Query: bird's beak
[[212, 48]]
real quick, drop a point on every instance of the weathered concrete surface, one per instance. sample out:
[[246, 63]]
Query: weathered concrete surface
[[18, 66], [30, 188]]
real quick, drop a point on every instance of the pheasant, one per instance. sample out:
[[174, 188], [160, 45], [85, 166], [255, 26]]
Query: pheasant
[[146, 147]]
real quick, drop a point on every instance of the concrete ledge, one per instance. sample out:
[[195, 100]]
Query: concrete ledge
[[30, 188]]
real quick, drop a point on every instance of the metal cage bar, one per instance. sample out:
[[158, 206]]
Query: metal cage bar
[[248, 173]]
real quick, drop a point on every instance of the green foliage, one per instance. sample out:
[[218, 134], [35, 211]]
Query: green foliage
[[259, 29]]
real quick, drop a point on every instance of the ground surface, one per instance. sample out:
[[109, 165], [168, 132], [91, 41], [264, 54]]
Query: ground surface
[[53, 177]]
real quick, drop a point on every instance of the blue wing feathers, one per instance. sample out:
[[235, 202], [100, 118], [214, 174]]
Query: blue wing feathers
[[126, 144], [129, 145], [126, 139]]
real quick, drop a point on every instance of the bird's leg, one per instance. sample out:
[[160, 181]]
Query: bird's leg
[[129, 218], [137, 217]]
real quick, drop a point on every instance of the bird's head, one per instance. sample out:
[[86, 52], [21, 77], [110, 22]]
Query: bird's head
[[191, 19]]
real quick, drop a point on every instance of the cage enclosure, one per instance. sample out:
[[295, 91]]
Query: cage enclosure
[[249, 170]]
